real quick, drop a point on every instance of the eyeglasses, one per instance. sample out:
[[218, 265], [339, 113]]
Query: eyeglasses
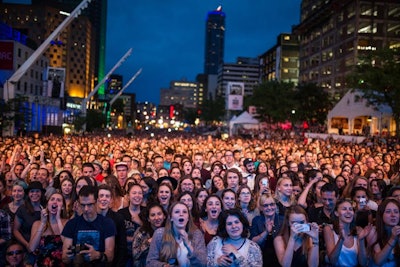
[[245, 193], [89, 205], [266, 205], [14, 252]]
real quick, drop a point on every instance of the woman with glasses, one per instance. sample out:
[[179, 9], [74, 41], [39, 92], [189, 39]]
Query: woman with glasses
[[265, 227], [247, 203]]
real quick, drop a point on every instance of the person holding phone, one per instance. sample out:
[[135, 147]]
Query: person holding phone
[[297, 243], [232, 247], [345, 243]]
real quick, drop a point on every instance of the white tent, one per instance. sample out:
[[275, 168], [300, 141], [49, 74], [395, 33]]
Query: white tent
[[354, 116], [244, 120]]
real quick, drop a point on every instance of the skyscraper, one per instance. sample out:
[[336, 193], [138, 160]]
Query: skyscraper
[[215, 39]]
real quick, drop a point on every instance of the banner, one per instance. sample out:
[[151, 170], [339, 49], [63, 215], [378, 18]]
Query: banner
[[55, 82], [6, 55], [235, 92]]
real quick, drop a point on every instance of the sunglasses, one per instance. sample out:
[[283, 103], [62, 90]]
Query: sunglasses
[[15, 252]]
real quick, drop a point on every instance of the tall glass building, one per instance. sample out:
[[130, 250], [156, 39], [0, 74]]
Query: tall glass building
[[215, 39]]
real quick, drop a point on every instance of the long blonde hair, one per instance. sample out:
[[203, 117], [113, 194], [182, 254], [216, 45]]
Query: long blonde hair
[[169, 246]]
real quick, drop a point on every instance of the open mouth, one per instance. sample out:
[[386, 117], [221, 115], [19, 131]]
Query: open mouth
[[181, 220], [213, 212]]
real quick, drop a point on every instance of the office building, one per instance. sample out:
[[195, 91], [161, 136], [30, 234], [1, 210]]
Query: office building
[[215, 39], [188, 95], [79, 49], [281, 62], [335, 33], [245, 70]]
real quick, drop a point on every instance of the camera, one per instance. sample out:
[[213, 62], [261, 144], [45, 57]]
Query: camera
[[78, 248]]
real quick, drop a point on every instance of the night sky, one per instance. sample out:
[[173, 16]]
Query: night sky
[[167, 36]]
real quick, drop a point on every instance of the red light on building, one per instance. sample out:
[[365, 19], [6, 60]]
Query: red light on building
[[171, 111]]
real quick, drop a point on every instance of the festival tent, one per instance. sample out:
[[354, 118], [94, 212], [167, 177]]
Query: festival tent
[[353, 116], [245, 121]]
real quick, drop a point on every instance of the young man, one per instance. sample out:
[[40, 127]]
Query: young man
[[103, 208], [89, 239]]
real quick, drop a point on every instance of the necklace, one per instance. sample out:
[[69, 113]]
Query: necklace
[[244, 241]]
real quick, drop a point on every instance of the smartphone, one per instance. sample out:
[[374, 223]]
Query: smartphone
[[305, 227], [363, 202]]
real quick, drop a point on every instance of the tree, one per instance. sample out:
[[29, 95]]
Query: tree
[[377, 76], [15, 113], [212, 110], [274, 101], [312, 103]]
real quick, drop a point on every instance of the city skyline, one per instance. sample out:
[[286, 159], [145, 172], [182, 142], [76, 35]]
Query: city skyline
[[168, 39]]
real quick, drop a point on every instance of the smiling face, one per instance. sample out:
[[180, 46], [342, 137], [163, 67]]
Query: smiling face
[[18, 192], [66, 187], [213, 207], [234, 227], [218, 183], [345, 212], [104, 199], [286, 187], [35, 195], [164, 194], [179, 216], [135, 195], [228, 200], [156, 217], [268, 206]]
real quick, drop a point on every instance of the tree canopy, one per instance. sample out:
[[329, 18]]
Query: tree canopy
[[377, 76]]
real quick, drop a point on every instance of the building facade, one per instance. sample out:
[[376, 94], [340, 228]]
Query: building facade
[[80, 48], [281, 62], [245, 70], [335, 33], [188, 95], [214, 41]]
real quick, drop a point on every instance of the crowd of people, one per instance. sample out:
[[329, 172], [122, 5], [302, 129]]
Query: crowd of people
[[183, 200]]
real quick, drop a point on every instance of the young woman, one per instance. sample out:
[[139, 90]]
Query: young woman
[[228, 197], [28, 213], [378, 190], [297, 243], [217, 185], [164, 195], [200, 195], [67, 190], [247, 203], [118, 194], [18, 195], [265, 227], [131, 215], [345, 243], [187, 168], [210, 212], [45, 240], [232, 247], [153, 218], [386, 249], [149, 186], [188, 199], [284, 194], [179, 243]]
